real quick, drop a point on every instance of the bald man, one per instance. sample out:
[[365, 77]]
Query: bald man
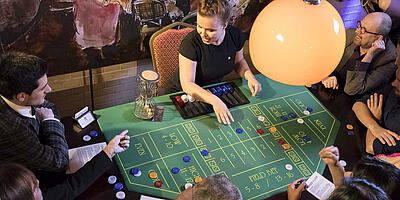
[[369, 57], [392, 8]]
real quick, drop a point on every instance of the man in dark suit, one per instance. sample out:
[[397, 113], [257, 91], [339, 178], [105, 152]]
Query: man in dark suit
[[31, 133], [369, 57]]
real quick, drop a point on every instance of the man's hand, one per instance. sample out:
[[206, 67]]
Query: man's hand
[[384, 135], [254, 85], [118, 144], [44, 113], [330, 155], [330, 82], [376, 47], [375, 106], [295, 193]]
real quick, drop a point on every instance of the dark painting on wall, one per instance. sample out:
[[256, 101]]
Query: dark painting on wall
[[73, 34]]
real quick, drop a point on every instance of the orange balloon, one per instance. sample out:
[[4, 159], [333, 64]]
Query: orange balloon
[[296, 43]]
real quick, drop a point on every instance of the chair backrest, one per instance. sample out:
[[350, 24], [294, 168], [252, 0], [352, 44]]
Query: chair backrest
[[164, 46], [149, 11]]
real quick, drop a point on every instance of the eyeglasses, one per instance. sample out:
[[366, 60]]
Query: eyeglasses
[[363, 30]]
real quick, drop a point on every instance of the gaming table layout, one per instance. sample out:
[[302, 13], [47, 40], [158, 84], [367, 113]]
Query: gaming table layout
[[274, 140]]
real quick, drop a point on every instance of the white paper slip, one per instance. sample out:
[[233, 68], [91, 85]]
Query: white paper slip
[[81, 155], [319, 186], [144, 197]]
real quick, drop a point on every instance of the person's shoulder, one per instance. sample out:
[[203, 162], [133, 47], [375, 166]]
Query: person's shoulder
[[6, 113], [236, 36], [190, 45], [390, 49], [192, 39], [192, 36], [233, 30]]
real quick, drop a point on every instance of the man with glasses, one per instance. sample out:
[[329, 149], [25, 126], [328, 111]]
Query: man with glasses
[[369, 57], [392, 8]]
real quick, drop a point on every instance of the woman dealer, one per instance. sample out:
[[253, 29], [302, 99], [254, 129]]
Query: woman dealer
[[207, 54]]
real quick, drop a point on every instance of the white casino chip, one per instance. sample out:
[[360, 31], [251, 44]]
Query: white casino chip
[[86, 138], [261, 118], [188, 185], [185, 98], [342, 163], [289, 167], [191, 99], [300, 121], [120, 195], [112, 179], [138, 174]]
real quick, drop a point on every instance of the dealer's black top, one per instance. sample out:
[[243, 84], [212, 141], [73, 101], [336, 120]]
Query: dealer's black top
[[213, 62], [390, 118]]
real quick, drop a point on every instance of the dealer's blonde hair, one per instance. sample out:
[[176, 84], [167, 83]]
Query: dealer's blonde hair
[[211, 8]]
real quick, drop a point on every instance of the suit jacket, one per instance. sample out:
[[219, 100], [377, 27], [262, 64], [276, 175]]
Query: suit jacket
[[380, 71], [39, 146], [78, 182]]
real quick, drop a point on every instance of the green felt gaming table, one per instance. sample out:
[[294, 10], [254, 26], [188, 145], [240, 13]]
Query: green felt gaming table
[[261, 165]]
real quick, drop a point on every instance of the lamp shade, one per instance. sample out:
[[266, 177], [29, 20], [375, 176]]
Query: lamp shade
[[297, 43]]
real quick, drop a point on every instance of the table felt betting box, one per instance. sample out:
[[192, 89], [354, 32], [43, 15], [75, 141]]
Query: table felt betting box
[[274, 140]]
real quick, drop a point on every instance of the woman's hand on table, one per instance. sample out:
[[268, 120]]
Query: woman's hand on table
[[254, 85], [222, 112]]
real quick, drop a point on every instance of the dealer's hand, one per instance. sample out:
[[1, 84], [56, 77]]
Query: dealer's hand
[[254, 85], [222, 112]]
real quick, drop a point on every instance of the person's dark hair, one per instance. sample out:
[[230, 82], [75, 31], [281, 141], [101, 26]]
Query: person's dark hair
[[16, 182], [20, 72], [380, 173], [216, 187], [358, 189], [211, 8]]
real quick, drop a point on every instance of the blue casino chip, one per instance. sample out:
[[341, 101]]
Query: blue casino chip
[[186, 158], [239, 130], [93, 133], [118, 186], [204, 153], [175, 170], [134, 171]]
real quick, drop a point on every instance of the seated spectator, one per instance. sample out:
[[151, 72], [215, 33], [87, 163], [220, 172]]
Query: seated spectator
[[17, 182], [380, 173], [31, 132], [379, 112], [215, 187], [369, 57], [392, 8], [350, 189]]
